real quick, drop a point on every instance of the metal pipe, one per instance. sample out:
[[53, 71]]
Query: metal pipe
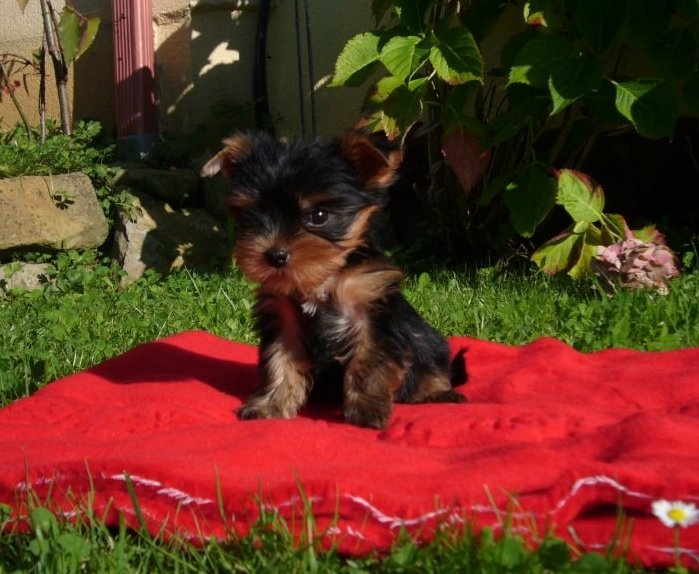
[[134, 73]]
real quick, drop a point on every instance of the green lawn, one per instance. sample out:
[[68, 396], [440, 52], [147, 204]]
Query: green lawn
[[84, 318]]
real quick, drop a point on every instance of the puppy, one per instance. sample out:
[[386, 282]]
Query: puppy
[[329, 311]]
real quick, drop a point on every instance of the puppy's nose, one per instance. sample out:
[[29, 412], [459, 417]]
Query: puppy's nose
[[277, 256]]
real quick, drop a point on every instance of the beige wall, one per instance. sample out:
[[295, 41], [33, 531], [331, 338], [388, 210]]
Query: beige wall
[[204, 54]]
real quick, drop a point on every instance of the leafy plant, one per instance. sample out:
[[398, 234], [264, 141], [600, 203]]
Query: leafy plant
[[66, 37], [573, 71], [572, 250]]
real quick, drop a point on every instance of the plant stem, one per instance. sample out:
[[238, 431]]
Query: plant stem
[[42, 90], [15, 101], [59, 65]]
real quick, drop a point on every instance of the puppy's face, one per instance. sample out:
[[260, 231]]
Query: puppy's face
[[301, 208]]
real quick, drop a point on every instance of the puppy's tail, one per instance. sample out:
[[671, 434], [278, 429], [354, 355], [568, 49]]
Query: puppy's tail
[[458, 368]]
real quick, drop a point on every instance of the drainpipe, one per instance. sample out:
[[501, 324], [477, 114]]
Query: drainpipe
[[134, 76]]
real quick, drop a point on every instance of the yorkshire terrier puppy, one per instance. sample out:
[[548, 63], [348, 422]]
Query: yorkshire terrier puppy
[[329, 311]]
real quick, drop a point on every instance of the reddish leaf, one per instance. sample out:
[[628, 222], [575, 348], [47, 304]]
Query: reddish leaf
[[466, 158]]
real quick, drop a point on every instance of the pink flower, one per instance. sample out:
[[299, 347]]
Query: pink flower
[[635, 264]]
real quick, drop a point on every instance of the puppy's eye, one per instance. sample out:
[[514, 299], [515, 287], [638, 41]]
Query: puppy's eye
[[317, 217]]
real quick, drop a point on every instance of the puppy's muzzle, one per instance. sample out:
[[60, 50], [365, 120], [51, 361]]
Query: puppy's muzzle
[[277, 257]]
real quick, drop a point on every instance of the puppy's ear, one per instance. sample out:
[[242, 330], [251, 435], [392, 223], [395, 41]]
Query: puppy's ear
[[235, 149], [374, 168]]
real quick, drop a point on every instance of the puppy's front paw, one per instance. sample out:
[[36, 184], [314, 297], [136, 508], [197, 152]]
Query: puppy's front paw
[[374, 416], [447, 397], [251, 411], [255, 409]]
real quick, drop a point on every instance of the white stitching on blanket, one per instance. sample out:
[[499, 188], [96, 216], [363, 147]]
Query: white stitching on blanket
[[136, 479], [395, 521], [174, 493], [183, 497], [594, 481]]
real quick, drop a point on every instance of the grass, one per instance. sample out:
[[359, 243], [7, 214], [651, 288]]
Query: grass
[[83, 318]]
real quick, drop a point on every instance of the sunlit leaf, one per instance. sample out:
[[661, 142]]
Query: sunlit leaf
[[381, 90], [76, 32], [614, 228], [402, 55], [581, 197], [583, 255], [357, 60], [456, 57], [403, 107], [649, 104], [559, 253], [69, 33]]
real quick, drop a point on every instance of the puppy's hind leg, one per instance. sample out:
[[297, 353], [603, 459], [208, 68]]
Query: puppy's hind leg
[[368, 390]]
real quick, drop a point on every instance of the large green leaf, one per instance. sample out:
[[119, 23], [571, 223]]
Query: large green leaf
[[613, 228], [571, 78], [674, 55], [455, 56], [402, 55], [537, 57], [403, 107], [581, 197], [599, 22], [649, 104], [559, 253], [76, 33], [529, 199], [587, 249], [357, 60], [569, 251], [381, 90]]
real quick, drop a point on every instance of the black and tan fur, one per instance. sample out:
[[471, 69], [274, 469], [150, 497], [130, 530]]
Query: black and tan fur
[[329, 312]]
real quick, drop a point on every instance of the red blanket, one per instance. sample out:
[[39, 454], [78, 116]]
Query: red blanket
[[556, 438]]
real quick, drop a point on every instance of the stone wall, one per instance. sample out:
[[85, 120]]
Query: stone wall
[[204, 54]]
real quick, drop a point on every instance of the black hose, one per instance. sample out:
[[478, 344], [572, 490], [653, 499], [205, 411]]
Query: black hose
[[299, 66], [263, 117]]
